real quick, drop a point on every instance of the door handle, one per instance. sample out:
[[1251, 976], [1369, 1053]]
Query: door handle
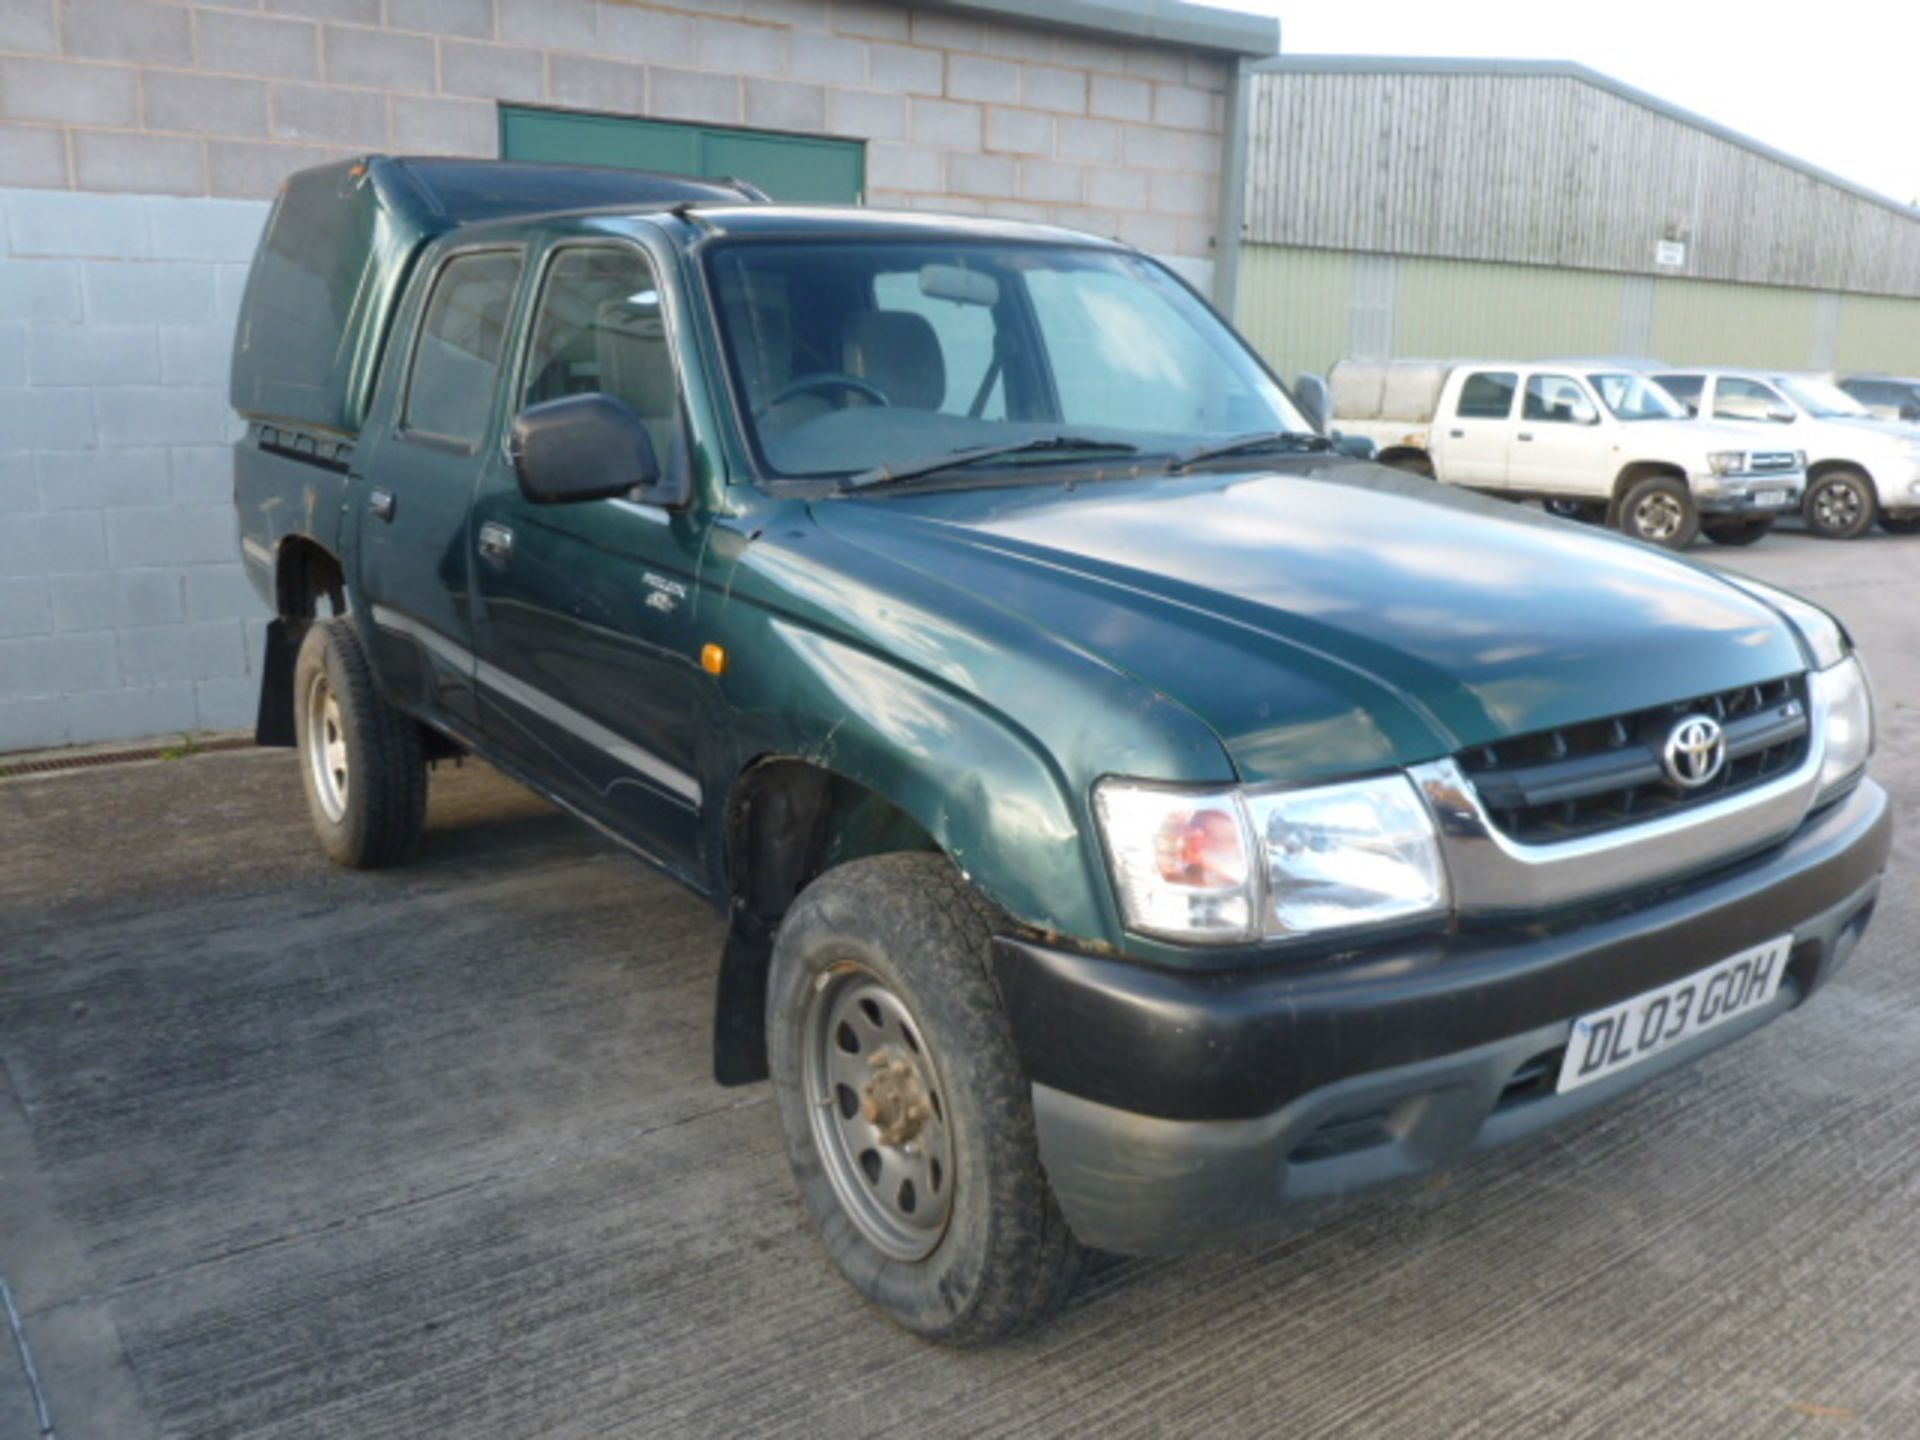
[[1524, 435], [496, 542], [380, 500], [1456, 434]]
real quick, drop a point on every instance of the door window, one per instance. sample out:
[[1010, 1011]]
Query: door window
[[599, 329], [1736, 399], [1684, 388], [1487, 396], [456, 362], [1558, 400]]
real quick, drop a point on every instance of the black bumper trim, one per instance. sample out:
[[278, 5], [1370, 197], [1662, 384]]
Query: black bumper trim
[[1237, 1045]]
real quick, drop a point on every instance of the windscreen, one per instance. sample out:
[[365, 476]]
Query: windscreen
[[1822, 400], [848, 355], [1633, 397]]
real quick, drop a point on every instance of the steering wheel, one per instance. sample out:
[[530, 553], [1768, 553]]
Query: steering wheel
[[823, 380]]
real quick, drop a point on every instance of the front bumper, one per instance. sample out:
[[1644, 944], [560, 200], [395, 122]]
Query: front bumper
[[1775, 493], [1177, 1110]]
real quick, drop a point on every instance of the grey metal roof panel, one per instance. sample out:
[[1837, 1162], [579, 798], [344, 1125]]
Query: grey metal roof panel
[[1569, 70], [1169, 22]]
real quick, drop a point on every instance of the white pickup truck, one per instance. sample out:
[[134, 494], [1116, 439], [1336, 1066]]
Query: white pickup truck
[[1859, 466], [1596, 440]]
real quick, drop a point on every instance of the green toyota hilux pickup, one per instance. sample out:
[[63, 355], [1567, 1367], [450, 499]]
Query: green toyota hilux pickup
[[1132, 818]]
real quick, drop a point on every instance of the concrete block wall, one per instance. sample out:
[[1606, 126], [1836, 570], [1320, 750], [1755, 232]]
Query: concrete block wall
[[141, 139], [123, 607]]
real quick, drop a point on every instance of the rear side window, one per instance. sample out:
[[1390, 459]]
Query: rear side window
[[456, 363], [1487, 395]]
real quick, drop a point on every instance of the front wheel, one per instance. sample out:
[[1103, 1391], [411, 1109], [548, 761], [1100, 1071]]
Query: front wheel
[[1737, 532], [361, 760], [906, 1112], [1840, 505], [1660, 511]]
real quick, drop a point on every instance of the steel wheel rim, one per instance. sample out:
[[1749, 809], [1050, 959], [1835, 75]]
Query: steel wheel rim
[[1658, 517], [877, 1112], [1837, 506], [326, 748]]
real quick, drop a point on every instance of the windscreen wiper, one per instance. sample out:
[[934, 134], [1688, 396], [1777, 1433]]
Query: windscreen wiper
[[1304, 440], [956, 459]]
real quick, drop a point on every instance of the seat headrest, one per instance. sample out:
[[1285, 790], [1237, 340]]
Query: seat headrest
[[897, 351]]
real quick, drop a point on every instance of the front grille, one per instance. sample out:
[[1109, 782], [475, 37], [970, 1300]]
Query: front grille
[[1773, 460], [1605, 774]]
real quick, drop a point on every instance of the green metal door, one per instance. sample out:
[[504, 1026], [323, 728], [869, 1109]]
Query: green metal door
[[800, 168]]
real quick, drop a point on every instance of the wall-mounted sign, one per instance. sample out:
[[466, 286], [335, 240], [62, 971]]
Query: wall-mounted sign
[[1670, 254]]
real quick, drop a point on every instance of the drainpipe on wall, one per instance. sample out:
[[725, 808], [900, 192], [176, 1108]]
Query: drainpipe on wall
[[1231, 204]]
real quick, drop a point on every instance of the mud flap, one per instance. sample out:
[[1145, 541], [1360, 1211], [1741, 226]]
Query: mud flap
[[273, 725]]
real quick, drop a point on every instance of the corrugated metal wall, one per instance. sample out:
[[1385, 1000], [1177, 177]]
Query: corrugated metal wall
[[1306, 309], [1459, 307], [1703, 323], [1548, 170]]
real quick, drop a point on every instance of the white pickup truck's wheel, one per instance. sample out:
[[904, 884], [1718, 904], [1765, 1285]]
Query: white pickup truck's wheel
[[1660, 510], [1840, 505], [362, 763], [908, 1118]]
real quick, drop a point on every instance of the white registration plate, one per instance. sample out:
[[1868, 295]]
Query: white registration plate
[[1769, 499], [1610, 1040]]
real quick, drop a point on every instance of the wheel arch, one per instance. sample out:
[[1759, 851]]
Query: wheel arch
[[1633, 473], [789, 819], [305, 573]]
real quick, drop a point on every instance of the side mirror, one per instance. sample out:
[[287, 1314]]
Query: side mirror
[[1780, 414], [1310, 393], [588, 447]]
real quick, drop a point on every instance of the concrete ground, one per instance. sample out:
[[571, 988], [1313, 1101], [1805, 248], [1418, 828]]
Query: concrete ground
[[291, 1151]]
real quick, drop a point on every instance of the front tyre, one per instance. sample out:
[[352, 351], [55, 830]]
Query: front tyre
[[907, 1115], [1737, 532], [361, 760], [1660, 511], [1840, 505]]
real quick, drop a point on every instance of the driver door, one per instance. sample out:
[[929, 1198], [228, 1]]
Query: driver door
[[585, 613]]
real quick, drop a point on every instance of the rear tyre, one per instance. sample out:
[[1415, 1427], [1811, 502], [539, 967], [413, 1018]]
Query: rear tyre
[[907, 1115], [361, 760], [1737, 532], [1840, 505], [1900, 524], [1660, 511], [1410, 461]]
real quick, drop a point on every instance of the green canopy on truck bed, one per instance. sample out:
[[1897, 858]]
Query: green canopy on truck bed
[[340, 242]]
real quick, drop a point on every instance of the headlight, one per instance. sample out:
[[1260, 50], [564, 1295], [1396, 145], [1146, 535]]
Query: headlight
[[1845, 699], [1222, 866], [1727, 462]]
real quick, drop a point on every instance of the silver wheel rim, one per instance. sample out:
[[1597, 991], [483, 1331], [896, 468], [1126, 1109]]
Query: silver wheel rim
[[879, 1118], [326, 748], [1658, 517], [1837, 506]]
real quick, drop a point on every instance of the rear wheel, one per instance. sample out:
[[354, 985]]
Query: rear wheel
[[1737, 532], [361, 760], [907, 1116], [1660, 511], [1411, 461], [1840, 505]]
